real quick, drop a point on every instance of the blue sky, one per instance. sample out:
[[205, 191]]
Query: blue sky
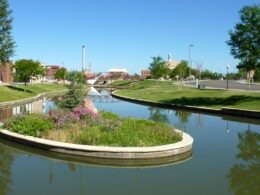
[[125, 33]]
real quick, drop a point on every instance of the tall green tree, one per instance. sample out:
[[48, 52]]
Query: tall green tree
[[75, 76], [158, 68], [245, 38], [25, 69], [60, 74], [181, 71], [7, 43]]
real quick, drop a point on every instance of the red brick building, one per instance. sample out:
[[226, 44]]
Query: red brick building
[[6, 72], [51, 70]]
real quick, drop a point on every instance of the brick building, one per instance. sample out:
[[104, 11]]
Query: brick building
[[6, 72], [51, 70]]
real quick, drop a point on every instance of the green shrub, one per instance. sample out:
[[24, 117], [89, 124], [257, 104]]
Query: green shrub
[[88, 136], [33, 124], [106, 129]]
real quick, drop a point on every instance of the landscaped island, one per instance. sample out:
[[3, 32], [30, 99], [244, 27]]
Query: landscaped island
[[83, 126]]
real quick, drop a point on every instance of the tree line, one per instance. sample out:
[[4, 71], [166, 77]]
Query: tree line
[[244, 45], [159, 69]]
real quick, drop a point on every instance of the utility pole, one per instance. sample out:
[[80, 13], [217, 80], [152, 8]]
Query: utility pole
[[191, 45]]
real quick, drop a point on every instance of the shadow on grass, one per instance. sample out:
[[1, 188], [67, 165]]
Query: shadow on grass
[[212, 101], [19, 89]]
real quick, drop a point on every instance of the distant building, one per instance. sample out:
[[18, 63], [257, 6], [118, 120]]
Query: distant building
[[51, 70], [145, 73], [117, 73], [171, 64], [6, 72]]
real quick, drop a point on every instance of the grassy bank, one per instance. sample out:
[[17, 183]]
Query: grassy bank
[[11, 93], [167, 92], [120, 83]]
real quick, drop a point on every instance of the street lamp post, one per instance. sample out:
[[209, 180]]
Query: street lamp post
[[227, 75], [191, 45], [83, 58]]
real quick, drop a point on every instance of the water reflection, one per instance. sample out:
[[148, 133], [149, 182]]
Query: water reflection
[[183, 116], [158, 114], [40, 106], [6, 159], [244, 177]]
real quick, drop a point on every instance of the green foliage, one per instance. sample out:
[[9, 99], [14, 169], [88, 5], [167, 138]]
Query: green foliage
[[158, 68], [130, 132], [105, 129], [181, 71], [24, 69], [6, 40], [257, 74], [60, 74], [34, 124], [206, 74], [241, 74], [245, 39], [75, 76], [73, 97]]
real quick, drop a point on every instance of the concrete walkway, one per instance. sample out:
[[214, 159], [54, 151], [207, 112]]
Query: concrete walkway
[[222, 84]]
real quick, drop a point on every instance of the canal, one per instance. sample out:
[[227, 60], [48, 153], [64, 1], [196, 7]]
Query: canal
[[225, 158]]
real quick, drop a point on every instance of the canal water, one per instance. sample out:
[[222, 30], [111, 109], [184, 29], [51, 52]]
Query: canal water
[[225, 158]]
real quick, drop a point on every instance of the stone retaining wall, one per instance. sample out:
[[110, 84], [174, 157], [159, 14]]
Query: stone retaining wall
[[103, 151]]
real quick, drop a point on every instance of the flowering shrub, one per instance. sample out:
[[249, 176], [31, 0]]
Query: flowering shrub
[[62, 117], [81, 111]]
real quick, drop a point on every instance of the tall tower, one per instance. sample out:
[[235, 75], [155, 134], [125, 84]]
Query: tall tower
[[83, 58], [169, 57]]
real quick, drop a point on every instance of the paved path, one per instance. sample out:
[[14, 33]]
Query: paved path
[[235, 85]]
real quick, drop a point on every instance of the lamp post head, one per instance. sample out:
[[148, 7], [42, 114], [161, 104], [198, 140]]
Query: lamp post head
[[228, 66], [191, 45]]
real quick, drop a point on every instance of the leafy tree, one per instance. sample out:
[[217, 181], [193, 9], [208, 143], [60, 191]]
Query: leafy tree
[[158, 68], [75, 76], [181, 71], [6, 40], [245, 39], [25, 69], [73, 97], [257, 74], [60, 74], [206, 74]]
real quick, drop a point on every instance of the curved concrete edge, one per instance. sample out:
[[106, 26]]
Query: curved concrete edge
[[103, 151], [31, 99], [224, 110]]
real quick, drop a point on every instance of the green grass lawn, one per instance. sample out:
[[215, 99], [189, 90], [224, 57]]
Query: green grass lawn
[[11, 93], [122, 83], [167, 92]]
